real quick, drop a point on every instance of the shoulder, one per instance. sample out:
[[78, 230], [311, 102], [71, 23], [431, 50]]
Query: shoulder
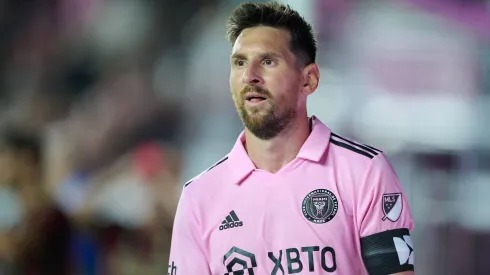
[[357, 157], [352, 148], [209, 175], [198, 193]]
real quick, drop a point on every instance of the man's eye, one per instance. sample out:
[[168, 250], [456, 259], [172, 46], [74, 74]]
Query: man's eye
[[239, 63], [269, 62]]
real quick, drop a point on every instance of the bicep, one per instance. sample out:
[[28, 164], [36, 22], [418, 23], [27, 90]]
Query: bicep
[[381, 202], [385, 221]]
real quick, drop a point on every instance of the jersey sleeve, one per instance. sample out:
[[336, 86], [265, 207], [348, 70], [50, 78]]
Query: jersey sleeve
[[385, 220], [187, 253]]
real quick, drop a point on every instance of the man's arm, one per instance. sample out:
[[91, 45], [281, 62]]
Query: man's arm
[[187, 253], [404, 273], [385, 220]]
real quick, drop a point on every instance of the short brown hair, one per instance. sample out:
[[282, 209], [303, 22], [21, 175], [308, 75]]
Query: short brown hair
[[273, 14]]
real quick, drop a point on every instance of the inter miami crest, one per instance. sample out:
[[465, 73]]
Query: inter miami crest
[[320, 206], [392, 206]]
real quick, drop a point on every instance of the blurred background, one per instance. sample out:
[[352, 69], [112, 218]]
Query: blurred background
[[107, 107]]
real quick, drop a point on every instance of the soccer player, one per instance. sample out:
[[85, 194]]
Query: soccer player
[[291, 197]]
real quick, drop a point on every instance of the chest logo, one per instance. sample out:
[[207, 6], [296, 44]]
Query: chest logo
[[320, 206]]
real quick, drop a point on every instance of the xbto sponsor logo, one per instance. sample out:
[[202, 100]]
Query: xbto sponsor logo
[[286, 261], [296, 264]]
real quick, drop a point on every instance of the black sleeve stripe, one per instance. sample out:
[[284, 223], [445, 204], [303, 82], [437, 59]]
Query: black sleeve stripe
[[370, 149], [375, 149], [388, 252], [214, 165], [349, 147]]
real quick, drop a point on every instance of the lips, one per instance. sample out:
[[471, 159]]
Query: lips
[[254, 97]]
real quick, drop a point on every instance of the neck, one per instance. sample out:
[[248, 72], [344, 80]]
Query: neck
[[271, 155]]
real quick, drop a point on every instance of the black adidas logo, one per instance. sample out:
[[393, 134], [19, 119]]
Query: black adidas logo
[[231, 221]]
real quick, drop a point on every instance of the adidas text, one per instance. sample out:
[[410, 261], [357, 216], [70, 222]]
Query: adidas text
[[230, 225]]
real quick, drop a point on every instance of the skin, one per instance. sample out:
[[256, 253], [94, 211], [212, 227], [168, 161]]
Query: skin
[[275, 128]]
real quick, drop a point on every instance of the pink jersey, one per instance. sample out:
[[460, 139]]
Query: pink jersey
[[337, 208]]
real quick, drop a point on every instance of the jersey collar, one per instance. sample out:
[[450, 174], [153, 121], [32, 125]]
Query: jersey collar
[[314, 148], [241, 166], [317, 142]]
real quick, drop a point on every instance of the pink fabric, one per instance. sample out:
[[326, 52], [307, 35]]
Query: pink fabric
[[272, 225]]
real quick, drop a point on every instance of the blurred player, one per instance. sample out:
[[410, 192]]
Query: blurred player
[[33, 233], [291, 197]]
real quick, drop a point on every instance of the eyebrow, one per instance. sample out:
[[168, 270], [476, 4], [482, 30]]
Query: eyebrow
[[262, 55]]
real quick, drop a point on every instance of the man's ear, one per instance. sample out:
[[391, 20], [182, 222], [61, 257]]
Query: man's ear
[[311, 78]]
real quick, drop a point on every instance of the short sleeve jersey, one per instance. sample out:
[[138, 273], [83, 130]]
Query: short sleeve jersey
[[337, 208]]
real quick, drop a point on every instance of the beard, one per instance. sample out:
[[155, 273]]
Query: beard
[[264, 124]]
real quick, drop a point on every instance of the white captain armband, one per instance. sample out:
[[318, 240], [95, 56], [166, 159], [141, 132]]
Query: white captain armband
[[388, 252]]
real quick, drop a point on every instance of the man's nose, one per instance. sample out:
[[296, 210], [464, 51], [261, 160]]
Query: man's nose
[[252, 76]]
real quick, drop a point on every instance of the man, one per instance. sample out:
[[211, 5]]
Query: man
[[291, 197]]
